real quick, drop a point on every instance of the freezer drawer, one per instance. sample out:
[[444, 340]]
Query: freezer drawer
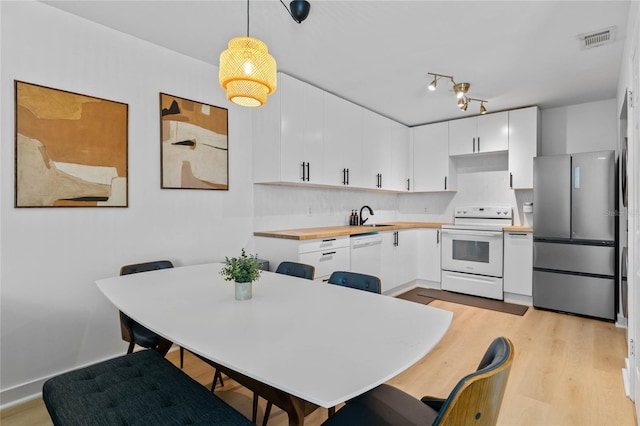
[[599, 260], [583, 295]]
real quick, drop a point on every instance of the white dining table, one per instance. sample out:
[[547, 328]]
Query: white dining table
[[317, 342]]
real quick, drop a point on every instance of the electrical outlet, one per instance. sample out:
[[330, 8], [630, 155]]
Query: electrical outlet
[[309, 211]]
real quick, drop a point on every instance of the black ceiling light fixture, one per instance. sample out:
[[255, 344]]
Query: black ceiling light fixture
[[298, 9]]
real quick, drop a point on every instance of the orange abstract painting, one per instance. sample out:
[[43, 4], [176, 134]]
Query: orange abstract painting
[[194, 140], [71, 149]]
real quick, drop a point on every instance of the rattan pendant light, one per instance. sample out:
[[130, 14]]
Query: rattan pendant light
[[247, 71]]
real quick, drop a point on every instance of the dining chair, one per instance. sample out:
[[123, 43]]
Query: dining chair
[[135, 333], [475, 400], [300, 270], [357, 281], [131, 331], [296, 269]]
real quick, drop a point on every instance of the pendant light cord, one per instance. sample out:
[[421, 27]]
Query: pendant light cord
[[247, 18]]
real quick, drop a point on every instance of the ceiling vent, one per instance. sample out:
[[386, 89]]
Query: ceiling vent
[[598, 38]]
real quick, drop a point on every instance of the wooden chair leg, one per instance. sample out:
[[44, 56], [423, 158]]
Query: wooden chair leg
[[181, 357], [131, 345]]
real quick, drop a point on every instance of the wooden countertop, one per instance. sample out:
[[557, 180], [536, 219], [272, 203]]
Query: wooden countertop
[[518, 229], [336, 231]]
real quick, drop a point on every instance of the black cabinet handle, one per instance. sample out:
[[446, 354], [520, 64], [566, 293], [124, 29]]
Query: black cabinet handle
[[445, 183], [474, 144], [329, 253], [347, 176], [409, 184], [478, 143], [304, 176], [395, 239], [344, 176], [438, 237], [328, 240], [511, 180], [380, 180], [308, 171]]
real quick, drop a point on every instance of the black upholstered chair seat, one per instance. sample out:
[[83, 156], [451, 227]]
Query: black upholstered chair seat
[[387, 406], [141, 388], [143, 336]]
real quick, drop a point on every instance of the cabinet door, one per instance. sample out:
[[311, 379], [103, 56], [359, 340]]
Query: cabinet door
[[376, 150], [301, 131], [431, 162], [398, 258], [342, 142], [493, 132], [462, 136], [518, 263], [400, 158], [428, 261], [524, 140]]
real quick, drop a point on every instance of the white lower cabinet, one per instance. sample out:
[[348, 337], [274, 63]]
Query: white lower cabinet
[[429, 255], [399, 260], [402, 257], [518, 263], [326, 255]]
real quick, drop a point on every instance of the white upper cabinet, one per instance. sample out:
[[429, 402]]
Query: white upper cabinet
[[376, 150], [433, 169], [343, 162], [524, 143], [287, 133], [400, 158], [480, 134]]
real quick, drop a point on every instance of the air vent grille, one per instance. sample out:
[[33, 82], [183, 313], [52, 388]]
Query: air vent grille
[[598, 38]]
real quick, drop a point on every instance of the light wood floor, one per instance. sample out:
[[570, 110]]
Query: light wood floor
[[567, 371]]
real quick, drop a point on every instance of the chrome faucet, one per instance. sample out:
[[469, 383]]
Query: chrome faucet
[[362, 221]]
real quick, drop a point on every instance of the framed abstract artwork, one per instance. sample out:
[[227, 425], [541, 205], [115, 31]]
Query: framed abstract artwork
[[194, 144], [70, 149]]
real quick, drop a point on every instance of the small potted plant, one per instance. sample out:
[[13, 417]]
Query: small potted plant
[[243, 270]]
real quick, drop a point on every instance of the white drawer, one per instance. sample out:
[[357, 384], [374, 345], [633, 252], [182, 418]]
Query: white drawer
[[323, 244], [327, 261]]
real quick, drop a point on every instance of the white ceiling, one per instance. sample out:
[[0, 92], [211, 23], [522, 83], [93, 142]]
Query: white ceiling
[[377, 53]]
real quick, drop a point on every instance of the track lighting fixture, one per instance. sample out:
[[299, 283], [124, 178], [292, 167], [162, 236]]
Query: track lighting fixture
[[460, 90], [298, 9]]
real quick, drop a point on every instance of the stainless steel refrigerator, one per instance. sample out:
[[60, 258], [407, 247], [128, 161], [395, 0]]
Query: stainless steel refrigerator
[[574, 230]]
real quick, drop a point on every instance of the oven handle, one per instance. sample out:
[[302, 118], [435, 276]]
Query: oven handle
[[473, 233]]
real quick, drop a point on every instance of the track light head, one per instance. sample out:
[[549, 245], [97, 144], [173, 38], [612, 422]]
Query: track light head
[[461, 89], [299, 10], [433, 84], [483, 110]]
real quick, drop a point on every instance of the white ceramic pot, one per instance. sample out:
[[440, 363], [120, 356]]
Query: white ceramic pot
[[243, 290]]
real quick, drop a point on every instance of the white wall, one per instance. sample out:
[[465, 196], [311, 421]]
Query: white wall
[[53, 318], [580, 128]]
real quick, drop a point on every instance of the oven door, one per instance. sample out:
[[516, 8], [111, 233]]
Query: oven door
[[472, 251]]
